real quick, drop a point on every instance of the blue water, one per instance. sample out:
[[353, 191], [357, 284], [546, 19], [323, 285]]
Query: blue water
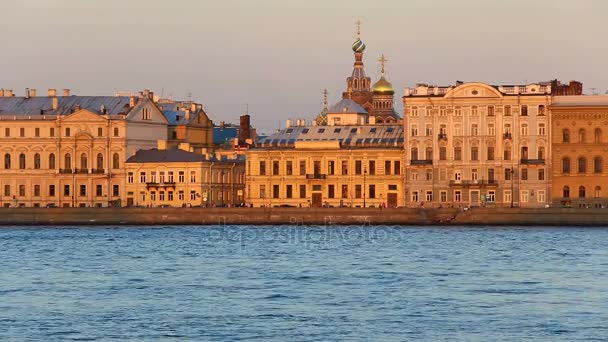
[[303, 284]]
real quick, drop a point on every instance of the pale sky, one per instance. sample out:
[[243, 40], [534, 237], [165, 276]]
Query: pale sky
[[278, 55]]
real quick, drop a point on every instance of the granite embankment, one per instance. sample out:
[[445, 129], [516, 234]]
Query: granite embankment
[[303, 216]]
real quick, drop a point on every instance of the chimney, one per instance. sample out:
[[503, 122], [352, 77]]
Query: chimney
[[132, 101], [66, 92], [27, 93], [2, 92], [52, 92], [161, 144], [288, 123], [55, 102], [193, 107], [140, 94], [32, 92], [187, 115], [245, 128], [222, 124], [8, 93]]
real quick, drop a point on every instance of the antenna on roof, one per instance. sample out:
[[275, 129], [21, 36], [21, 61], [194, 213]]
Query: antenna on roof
[[593, 91], [189, 96], [247, 108]]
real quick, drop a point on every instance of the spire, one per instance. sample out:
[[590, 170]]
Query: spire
[[358, 22], [325, 93], [358, 45], [382, 60]]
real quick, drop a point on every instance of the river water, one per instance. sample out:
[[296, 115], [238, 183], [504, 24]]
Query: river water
[[298, 283]]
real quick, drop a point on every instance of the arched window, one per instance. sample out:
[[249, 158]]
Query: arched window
[[414, 153], [597, 165], [429, 153], [524, 152], [582, 165], [597, 136], [597, 192], [7, 161], [83, 161], [99, 161], [67, 161], [566, 191], [52, 161], [115, 161], [581, 191], [37, 161], [566, 135], [22, 161], [566, 165], [581, 135], [541, 152]]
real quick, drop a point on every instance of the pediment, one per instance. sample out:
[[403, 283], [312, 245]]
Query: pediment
[[472, 90], [84, 115]]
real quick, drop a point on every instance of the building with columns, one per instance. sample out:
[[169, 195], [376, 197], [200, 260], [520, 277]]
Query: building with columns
[[579, 151], [478, 144]]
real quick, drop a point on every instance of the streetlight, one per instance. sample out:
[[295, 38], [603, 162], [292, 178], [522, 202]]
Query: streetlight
[[364, 174], [222, 185], [512, 189]]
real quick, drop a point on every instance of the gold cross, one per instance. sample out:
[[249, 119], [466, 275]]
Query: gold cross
[[382, 60], [358, 22]]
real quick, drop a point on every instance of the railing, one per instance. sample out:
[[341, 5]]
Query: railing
[[316, 176], [491, 182], [97, 171], [507, 136], [65, 171], [160, 185], [443, 136], [81, 171], [421, 162], [533, 161]]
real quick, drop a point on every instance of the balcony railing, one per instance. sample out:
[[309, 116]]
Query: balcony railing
[[97, 171], [533, 161], [81, 171], [421, 162], [442, 136], [160, 185], [491, 182], [507, 136], [65, 171], [316, 176]]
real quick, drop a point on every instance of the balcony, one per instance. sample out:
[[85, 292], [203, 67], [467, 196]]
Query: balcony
[[160, 185], [65, 171], [442, 136], [420, 162], [473, 183], [532, 162], [97, 171], [316, 176], [507, 136], [81, 171]]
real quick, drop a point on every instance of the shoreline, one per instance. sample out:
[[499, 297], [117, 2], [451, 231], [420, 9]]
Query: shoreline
[[446, 217]]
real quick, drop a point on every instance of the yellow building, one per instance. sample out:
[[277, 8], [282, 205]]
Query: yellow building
[[580, 149], [177, 178], [353, 166], [70, 150], [188, 124]]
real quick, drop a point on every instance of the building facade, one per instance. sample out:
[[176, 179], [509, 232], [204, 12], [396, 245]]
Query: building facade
[[350, 166], [580, 149], [476, 144], [70, 150], [177, 178]]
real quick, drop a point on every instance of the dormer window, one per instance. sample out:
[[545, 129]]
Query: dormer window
[[145, 114]]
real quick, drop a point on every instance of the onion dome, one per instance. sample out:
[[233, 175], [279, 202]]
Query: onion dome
[[358, 45], [383, 87]]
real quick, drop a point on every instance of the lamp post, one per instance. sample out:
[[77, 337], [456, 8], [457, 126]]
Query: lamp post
[[512, 188], [222, 185], [364, 174]]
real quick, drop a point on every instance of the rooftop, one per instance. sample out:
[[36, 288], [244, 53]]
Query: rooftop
[[43, 105]]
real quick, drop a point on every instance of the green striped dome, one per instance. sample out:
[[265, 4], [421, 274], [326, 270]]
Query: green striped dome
[[358, 46]]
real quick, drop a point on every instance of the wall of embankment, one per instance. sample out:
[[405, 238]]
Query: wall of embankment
[[303, 216]]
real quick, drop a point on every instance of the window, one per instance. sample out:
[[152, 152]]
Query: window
[[170, 196], [66, 190], [414, 111], [22, 132], [541, 152], [457, 130], [507, 196], [581, 192], [52, 132], [541, 110], [397, 167], [358, 191], [36, 132], [142, 177], [180, 195], [508, 174], [428, 131], [491, 196], [582, 165], [316, 167], [262, 168], [7, 161], [357, 167], [428, 154], [37, 161], [67, 132], [541, 129], [181, 176], [507, 111], [130, 177], [145, 114], [443, 196], [582, 136], [7, 190], [99, 132], [152, 195], [524, 152], [566, 165], [83, 161], [302, 167], [491, 129], [566, 192], [457, 196], [597, 192], [192, 195], [275, 167], [507, 153], [115, 190], [474, 153], [490, 152], [51, 190], [192, 176], [98, 190], [474, 175], [540, 196], [344, 167], [7, 132], [414, 175], [414, 153], [541, 174], [457, 111], [524, 196], [457, 176], [21, 190], [566, 135], [115, 131], [597, 165], [524, 128], [429, 175], [115, 161], [524, 110], [458, 153], [22, 161], [331, 191], [414, 130], [302, 190], [37, 190], [474, 129], [289, 191], [51, 161], [67, 161], [491, 175], [161, 195], [443, 153], [490, 110], [153, 176], [474, 111], [344, 191], [597, 136], [170, 177], [83, 190], [524, 174], [429, 196], [371, 166]]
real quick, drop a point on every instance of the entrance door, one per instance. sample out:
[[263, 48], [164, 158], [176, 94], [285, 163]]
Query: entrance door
[[317, 200], [391, 200], [474, 197], [129, 201]]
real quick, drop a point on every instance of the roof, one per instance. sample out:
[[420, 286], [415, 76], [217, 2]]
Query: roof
[[37, 105], [347, 106], [580, 101], [221, 135], [168, 156], [355, 136]]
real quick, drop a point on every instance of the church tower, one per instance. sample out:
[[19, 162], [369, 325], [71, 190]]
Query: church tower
[[382, 99], [358, 85]]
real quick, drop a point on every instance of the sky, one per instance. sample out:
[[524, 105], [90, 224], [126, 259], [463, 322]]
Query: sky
[[276, 56]]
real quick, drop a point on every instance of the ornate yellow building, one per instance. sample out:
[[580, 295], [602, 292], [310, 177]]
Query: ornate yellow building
[[353, 166], [70, 150], [477, 144], [580, 150], [177, 178]]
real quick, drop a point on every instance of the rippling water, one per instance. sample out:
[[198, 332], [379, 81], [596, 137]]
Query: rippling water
[[303, 284]]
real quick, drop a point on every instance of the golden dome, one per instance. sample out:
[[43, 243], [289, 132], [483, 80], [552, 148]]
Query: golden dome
[[383, 86]]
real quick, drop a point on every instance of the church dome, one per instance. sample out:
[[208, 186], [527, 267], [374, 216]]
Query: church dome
[[383, 86], [358, 45]]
